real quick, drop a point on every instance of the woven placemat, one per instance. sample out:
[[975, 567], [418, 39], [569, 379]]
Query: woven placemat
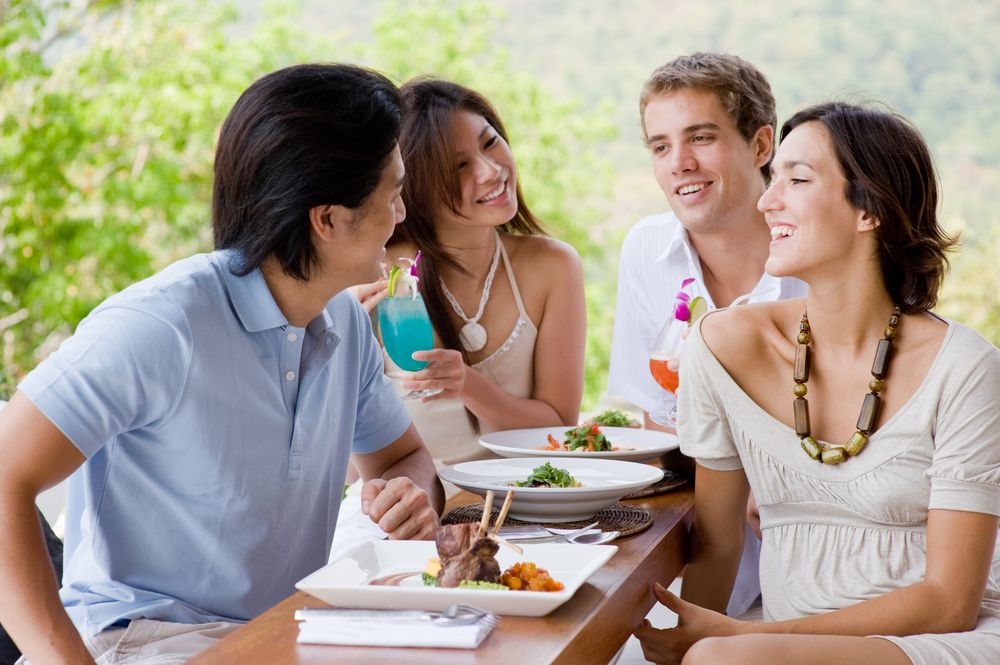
[[670, 481], [626, 520]]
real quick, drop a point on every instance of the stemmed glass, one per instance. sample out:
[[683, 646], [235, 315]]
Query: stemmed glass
[[405, 328], [664, 361]]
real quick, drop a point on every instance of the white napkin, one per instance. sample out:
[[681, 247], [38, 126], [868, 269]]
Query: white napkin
[[353, 527], [383, 631]]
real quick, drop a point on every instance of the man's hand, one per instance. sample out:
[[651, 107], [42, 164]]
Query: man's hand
[[400, 508], [693, 624]]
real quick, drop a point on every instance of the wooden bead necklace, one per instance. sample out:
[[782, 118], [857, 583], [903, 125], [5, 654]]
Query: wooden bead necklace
[[869, 408]]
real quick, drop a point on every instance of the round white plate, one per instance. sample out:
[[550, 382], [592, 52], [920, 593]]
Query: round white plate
[[604, 482], [637, 444]]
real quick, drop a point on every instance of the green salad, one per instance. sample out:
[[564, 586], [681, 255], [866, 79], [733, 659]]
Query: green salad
[[547, 475], [588, 437], [614, 418]]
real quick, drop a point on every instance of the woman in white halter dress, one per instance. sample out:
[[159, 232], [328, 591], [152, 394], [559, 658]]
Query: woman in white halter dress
[[509, 343]]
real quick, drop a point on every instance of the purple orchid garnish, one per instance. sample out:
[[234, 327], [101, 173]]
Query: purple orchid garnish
[[681, 310], [413, 266]]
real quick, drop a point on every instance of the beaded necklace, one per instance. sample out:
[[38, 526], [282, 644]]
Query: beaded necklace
[[473, 334], [869, 408]]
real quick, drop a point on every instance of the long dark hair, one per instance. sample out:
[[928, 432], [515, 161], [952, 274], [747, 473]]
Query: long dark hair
[[425, 142], [300, 137], [890, 175]]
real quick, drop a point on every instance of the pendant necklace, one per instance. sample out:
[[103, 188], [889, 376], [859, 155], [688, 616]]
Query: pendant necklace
[[472, 334], [831, 454]]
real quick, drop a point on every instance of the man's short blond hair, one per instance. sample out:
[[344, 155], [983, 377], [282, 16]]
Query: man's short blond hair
[[742, 88]]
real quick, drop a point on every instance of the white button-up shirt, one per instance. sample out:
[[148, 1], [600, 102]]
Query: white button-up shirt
[[655, 258]]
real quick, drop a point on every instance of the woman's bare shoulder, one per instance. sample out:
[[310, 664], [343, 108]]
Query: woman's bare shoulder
[[542, 255], [737, 335]]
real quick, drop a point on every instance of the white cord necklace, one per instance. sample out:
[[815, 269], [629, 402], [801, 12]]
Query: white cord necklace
[[473, 335]]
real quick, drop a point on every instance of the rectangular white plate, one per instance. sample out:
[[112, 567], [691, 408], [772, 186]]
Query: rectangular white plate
[[345, 582]]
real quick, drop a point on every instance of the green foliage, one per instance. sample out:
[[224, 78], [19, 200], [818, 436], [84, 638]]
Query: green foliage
[[106, 154], [109, 110], [971, 292]]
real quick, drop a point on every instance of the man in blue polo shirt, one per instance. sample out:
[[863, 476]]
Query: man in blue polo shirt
[[207, 413]]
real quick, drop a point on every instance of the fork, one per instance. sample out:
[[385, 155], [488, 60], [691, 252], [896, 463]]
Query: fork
[[458, 614], [570, 536]]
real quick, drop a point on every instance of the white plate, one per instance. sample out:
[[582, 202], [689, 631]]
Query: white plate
[[345, 581], [604, 482], [644, 444]]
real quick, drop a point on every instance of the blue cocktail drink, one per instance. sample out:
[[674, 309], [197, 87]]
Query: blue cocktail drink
[[405, 328]]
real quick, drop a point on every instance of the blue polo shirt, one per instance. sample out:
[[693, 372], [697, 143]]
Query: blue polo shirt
[[217, 438]]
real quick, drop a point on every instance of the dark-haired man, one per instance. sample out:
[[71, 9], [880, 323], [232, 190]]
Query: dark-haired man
[[208, 412], [708, 121]]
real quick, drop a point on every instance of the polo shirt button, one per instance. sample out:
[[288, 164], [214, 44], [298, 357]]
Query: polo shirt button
[[290, 375], [292, 337]]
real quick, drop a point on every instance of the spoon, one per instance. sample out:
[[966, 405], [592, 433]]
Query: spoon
[[595, 538]]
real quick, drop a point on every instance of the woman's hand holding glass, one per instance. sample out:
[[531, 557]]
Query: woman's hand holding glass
[[444, 375], [406, 329], [370, 295]]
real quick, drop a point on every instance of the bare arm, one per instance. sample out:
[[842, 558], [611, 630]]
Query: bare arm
[[716, 537], [558, 358], [36, 456], [402, 492], [947, 600]]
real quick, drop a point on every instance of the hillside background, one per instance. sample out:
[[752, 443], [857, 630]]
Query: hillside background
[[108, 114]]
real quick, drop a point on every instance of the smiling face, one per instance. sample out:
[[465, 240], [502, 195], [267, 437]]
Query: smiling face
[[486, 172], [709, 172], [812, 223]]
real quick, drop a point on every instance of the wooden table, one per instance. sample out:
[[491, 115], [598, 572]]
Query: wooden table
[[589, 628]]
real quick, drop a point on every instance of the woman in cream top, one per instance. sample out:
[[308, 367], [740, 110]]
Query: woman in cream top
[[879, 528]]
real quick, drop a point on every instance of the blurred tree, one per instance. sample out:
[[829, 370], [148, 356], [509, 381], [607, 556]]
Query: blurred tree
[[109, 109], [108, 112], [971, 292]]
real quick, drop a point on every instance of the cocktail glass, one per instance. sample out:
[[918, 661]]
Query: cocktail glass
[[405, 328], [664, 361]]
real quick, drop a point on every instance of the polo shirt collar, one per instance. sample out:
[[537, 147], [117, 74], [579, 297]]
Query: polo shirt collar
[[254, 304], [252, 300], [321, 324]]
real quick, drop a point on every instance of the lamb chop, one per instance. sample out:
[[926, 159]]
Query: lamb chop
[[468, 551]]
